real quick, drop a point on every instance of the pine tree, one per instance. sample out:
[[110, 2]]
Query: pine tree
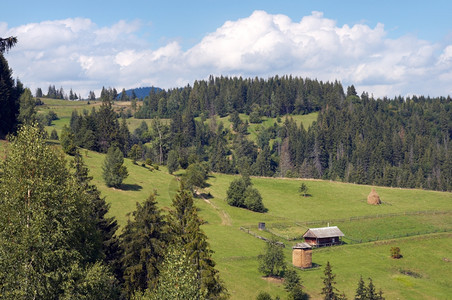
[[328, 290], [107, 226], [292, 284], [9, 95], [360, 290], [143, 241], [185, 231], [113, 169]]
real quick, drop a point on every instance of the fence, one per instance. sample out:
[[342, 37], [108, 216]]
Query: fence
[[377, 216], [355, 218]]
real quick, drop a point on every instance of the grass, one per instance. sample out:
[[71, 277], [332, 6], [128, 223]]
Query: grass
[[236, 251]]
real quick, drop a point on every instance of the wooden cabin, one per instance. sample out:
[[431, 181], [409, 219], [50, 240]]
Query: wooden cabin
[[324, 236]]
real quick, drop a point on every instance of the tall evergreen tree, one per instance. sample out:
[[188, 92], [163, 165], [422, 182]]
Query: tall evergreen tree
[[185, 231], [329, 291], [360, 290], [113, 169], [107, 226], [107, 126], [7, 43], [9, 94], [143, 241]]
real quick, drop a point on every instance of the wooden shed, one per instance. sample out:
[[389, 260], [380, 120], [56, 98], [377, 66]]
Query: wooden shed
[[302, 255], [323, 236]]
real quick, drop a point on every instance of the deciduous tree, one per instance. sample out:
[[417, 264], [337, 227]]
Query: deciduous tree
[[271, 263], [46, 225]]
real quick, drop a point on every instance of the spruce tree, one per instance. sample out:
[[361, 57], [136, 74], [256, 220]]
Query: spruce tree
[[185, 231], [360, 290], [292, 284], [9, 96], [143, 241], [107, 226], [113, 170], [329, 291]]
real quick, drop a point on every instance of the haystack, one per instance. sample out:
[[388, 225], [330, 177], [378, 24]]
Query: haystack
[[373, 198]]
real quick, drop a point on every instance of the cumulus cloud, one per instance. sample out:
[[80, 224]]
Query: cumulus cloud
[[76, 53]]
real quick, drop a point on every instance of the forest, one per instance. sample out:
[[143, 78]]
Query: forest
[[399, 142]]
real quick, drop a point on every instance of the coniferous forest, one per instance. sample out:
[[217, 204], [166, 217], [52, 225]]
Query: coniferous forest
[[399, 142]]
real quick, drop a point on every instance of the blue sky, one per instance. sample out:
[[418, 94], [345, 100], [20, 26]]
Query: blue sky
[[382, 47]]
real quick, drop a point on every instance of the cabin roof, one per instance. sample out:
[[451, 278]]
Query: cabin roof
[[323, 232]]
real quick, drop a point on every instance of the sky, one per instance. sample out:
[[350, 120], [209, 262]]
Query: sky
[[384, 48]]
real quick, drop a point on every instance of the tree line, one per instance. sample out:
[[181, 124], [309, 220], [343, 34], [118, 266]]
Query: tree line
[[400, 142]]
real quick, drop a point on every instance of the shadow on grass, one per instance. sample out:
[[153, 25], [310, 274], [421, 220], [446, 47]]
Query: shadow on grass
[[131, 187]]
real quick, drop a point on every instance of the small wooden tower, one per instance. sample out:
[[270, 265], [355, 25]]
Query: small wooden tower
[[302, 255]]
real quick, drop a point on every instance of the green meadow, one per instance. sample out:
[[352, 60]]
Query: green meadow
[[426, 257]]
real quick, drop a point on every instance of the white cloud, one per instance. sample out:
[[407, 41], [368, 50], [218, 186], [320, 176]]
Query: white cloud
[[78, 52]]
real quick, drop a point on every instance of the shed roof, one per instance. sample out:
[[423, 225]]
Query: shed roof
[[302, 246], [323, 232]]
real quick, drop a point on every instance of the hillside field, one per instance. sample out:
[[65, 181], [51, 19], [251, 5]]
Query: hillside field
[[426, 250]]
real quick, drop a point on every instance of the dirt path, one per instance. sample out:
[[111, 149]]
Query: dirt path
[[225, 218]]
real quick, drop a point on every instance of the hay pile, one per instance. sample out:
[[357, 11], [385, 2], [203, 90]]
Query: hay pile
[[373, 198]]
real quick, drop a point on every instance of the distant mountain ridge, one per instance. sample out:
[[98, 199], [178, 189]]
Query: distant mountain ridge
[[140, 92]]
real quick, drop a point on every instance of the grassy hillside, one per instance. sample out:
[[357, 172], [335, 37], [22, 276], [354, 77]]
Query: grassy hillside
[[422, 273], [64, 109], [426, 257]]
